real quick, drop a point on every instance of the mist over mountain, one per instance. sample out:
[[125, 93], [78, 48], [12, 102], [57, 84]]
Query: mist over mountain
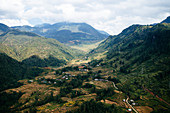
[[69, 33]]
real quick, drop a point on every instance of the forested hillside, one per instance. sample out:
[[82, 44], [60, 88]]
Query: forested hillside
[[140, 56], [11, 71]]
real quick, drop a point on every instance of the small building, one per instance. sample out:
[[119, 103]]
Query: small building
[[101, 80], [129, 109], [30, 81], [49, 82], [133, 103], [44, 81], [124, 100], [131, 100], [81, 67]]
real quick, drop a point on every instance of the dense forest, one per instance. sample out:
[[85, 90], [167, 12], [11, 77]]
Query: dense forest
[[11, 71]]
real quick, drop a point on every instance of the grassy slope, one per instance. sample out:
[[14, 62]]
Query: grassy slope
[[21, 45], [86, 47]]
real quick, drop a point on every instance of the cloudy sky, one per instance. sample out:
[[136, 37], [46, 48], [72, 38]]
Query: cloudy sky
[[111, 16]]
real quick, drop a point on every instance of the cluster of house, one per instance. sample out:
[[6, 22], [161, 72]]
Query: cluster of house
[[49, 81], [81, 68], [45, 81], [67, 76], [132, 102]]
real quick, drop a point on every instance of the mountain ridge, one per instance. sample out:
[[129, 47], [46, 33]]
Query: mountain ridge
[[67, 32], [167, 20]]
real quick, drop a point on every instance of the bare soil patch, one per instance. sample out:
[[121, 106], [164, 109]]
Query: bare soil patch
[[143, 109]]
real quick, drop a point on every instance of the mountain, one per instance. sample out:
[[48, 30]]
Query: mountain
[[69, 33], [139, 57], [167, 20], [3, 28], [21, 45]]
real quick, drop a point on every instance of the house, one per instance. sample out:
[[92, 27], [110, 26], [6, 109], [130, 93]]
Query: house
[[133, 103], [49, 82], [81, 67], [124, 100], [30, 81], [97, 65], [129, 109], [131, 100], [44, 81], [86, 70]]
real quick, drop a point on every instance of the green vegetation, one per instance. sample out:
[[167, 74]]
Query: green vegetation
[[5, 104], [37, 61], [22, 45], [86, 47], [11, 71], [139, 57], [135, 66]]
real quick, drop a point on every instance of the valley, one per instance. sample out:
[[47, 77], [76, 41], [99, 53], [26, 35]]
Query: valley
[[65, 89], [128, 72]]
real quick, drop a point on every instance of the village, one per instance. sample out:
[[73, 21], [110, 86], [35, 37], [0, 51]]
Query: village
[[90, 80]]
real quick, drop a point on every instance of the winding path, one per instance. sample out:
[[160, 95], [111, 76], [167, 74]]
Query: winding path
[[114, 85]]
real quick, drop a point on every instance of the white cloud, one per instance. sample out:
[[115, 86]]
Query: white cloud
[[14, 22], [109, 15]]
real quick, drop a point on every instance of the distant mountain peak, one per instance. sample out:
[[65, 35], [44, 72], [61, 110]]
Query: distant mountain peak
[[3, 28], [66, 32], [167, 20]]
